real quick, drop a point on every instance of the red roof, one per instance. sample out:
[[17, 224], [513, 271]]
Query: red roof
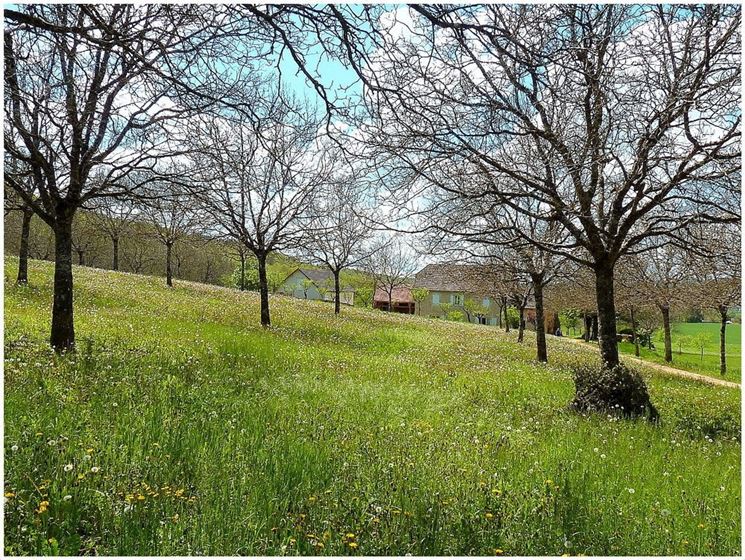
[[400, 295]]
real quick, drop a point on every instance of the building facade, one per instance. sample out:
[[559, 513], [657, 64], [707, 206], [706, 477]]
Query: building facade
[[316, 284], [460, 288]]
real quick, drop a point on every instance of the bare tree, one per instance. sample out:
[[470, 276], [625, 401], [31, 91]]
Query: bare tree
[[661, 277], [258, 178], [136, 256], [339, 235], [485, 230], [89, 89], [717, 266], [173, 215], [113, 217], [84, 238], [12, 202], [392, 266]]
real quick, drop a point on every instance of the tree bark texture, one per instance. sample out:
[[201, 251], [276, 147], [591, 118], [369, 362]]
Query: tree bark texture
[[63, 330]]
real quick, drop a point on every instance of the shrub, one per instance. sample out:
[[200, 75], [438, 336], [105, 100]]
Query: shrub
[[513, 317], [619, 390], [455, 315]]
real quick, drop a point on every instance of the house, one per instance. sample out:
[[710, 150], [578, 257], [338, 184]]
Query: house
[[401, 300], [450, 286], [313, 283]]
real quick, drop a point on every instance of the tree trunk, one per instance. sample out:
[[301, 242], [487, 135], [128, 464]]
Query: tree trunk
[[23, 253], [540, 323], [243, 273], [557, 323], [390, 300], [115, 243], [169, 272], [81, 256], [521, 325], [722, 346], [63, 329], [665, 310], [633, 333], [588, 327], [606, 314], [594, 332], [499, 316], [263, 290], [337, 292], [506, 318]]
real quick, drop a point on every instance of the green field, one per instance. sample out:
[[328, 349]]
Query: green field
[[686, 353], [181, 427]]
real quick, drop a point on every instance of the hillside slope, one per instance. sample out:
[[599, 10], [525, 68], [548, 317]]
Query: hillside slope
[[182, 427]]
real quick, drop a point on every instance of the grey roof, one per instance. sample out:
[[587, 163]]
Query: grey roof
[[319, 276], [453, 278]]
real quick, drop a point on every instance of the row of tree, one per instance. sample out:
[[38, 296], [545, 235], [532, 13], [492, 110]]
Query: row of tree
[[534, 140]]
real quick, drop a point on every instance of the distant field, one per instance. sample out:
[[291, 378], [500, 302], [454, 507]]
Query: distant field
[[181, 427], [733, 338], [687, 355]]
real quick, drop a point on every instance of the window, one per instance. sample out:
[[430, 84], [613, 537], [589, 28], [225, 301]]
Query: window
[[457, 299], [435, 298]]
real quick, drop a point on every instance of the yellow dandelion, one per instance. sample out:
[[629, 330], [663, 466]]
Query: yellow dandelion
[[489, 515], [10, 495], [43, 506], [498, 551], [350, 535], [352, 545]]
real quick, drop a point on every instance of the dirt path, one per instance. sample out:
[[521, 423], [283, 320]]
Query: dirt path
[[671, 370]]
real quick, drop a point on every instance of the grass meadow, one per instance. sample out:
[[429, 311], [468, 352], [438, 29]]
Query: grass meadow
[[182, 427], [687, 340]]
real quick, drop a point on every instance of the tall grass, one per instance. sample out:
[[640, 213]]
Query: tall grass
[[181, 427]]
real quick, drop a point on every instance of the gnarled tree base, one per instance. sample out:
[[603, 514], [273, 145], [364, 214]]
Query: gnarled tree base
[[619, 391]]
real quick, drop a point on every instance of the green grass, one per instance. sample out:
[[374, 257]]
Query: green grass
[[687, 355], [181, 427]]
